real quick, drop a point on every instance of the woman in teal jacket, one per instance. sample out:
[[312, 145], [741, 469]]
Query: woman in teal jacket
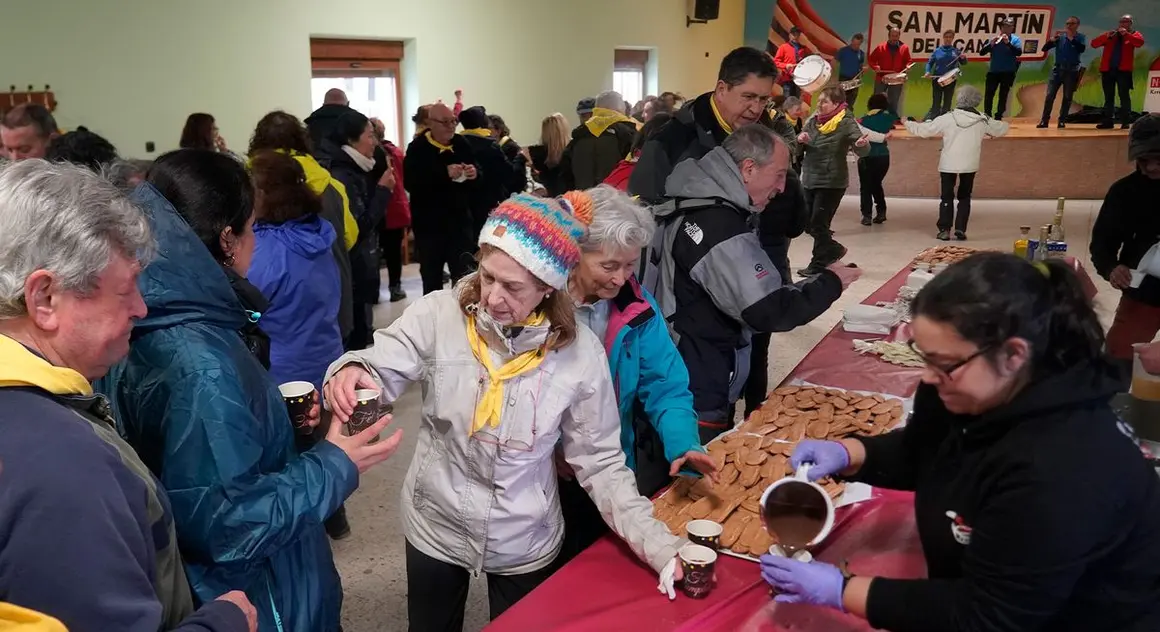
[[199, 408], [658, 426]]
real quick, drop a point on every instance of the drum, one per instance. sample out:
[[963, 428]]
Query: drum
[[949, 77], [898, 78], [812, 73], [851, 84]]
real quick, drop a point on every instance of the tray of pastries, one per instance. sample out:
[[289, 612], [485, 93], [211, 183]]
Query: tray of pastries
[[756, 454], [938, 257]]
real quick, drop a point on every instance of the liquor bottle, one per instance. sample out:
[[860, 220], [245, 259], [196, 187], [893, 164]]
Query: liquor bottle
[[1041, 251], [1022, 242], [1057, 225]]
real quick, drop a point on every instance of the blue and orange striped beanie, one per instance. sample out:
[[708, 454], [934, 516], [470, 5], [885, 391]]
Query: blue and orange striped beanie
[[541, 234]]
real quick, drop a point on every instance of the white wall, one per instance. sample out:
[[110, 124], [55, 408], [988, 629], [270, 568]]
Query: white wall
[[133, 69]]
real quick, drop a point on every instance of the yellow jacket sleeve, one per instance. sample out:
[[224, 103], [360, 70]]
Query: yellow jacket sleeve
[[349, 224]]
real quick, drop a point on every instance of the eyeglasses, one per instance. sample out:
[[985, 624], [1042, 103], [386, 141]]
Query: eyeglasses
[[445, 122], [947, 369]]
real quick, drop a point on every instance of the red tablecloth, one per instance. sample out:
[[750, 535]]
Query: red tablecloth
[[607, 588]]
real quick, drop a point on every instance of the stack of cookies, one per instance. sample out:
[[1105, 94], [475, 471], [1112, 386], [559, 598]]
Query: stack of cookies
[[757, 455], [937, 257]]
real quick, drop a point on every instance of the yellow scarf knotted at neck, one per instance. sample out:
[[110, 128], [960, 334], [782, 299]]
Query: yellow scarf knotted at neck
[[604, 118], [505, 140], [21, 367], [829, 126], [441, 146], [491, 400], [873, 112], [717, 113], [482, 132]]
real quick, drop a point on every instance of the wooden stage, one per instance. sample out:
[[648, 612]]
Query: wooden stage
[[1078, 162]]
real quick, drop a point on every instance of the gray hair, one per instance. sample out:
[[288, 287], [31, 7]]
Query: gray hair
[[790, 103], [968, 97], [618, 221], [67, 220], [610, 100], [754, 142]]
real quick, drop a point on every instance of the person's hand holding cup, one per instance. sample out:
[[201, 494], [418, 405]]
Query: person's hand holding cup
[[803, 138], [388, 178], [339, 390], [1121, 277], [301, 402], [455, 172], [847, 274], [470, 172]]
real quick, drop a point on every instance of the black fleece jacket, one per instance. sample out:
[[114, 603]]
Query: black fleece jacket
[[1127, 226], [1040, 514]]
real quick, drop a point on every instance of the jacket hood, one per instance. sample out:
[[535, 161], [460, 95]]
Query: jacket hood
[[328, 113], [183, 284], [603, 119], [310, 236], [317, 178], [21, 367], [1077, 387], [967, 118], [713, 176]]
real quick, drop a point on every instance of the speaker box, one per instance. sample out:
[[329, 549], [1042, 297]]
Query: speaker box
[[706, 9]]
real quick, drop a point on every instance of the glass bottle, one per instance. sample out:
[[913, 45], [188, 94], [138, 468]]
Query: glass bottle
[[1041, 251], [1022, 242]]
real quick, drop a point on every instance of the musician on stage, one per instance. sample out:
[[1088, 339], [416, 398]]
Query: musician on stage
[[787, 57], [1004, 49], [1116, 67], [1069, 44], [851, 62], [944, 59], [890, 57]]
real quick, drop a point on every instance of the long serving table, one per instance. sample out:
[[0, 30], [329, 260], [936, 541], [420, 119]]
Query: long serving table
[[607, 588]]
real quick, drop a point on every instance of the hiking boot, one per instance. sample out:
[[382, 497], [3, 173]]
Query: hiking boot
[[865, 220], [960, 235], [880, 218], [1042, 125], [397, 294], [337, 526], [1105, 125], [814, 269], [943, 235], [1061, 125]]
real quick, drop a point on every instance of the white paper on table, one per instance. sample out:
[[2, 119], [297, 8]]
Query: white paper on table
[[1149, 266]]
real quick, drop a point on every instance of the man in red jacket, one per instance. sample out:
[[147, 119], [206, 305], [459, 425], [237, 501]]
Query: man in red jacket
[[888, 58], [1116, 67]]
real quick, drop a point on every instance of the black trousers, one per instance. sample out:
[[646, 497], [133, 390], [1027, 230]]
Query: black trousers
[[1001, 81], [451, 248], [437, 592], [872, 171], [946, 208], [363, 330], [823, 205], [791, 89], [1113, 81], [940, 100], [852, 97], [1068, 80], [391, 245]]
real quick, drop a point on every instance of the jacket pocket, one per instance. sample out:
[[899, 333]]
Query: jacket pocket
[[419, 496]]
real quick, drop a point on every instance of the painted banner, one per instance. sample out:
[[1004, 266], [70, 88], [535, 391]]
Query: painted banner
[[923, 23]]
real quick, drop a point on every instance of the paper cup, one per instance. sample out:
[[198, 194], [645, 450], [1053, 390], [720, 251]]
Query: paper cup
[[1137, 278], [704, 532], [299, 398], [366, 412], [801, 556], [697, 563]]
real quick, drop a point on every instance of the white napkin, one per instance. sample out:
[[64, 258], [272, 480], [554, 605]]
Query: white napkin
[[1149, 266]]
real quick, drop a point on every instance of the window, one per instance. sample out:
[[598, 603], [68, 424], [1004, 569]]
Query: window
[[368, 71], [628, 74]]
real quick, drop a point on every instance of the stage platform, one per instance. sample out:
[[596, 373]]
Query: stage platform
[[1077, 162]]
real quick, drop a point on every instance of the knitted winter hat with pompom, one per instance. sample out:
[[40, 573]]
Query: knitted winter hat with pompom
[[541, 234]]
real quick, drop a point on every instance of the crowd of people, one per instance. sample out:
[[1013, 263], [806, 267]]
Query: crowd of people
[[613, 290]]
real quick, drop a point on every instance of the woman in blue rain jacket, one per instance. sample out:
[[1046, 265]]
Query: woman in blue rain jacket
[[209, 422]]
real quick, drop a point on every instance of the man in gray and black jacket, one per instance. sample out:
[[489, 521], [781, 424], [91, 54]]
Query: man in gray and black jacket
[[715, 284]]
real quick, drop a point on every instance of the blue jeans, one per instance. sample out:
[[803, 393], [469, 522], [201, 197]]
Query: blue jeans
[[1068, 80]]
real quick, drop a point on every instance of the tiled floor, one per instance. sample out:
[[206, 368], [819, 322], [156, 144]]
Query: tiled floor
[[371, 561]]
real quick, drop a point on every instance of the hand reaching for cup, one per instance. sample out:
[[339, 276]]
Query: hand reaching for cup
[[388, 178], [846, 274], [358, 448], [239, 599], [339, 390]]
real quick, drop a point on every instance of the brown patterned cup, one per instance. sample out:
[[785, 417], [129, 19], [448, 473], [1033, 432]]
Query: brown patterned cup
[[299, 398], [704, 532], [366, 412], [697, 564]]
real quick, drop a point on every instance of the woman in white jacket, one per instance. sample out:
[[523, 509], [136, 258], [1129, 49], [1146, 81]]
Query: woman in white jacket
[[963, 130], [506, 374]]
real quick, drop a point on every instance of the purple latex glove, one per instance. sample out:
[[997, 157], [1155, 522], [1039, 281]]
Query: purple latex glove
[[827, 457], [815, 583]]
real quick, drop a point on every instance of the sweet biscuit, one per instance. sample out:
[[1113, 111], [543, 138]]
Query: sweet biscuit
[[749, 475], [756, 457], [786, 390]]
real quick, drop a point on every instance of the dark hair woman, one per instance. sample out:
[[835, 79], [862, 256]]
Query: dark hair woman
[[211, 424], [282, 132], [1035, 508], [873, 168], [200, 132], [295, 270], [351, 160]]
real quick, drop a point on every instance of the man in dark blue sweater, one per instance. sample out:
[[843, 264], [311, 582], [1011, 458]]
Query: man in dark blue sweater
[[1069, 44], [86, 532], [851, 61], [1005, 49]]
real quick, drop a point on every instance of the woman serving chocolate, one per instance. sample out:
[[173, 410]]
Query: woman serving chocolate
[[507, 374], [1035, 510]]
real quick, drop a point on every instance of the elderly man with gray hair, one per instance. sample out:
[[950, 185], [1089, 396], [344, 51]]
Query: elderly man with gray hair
[[658, 426], [963, 130], [86, 533], [598, 144], [715, 285]]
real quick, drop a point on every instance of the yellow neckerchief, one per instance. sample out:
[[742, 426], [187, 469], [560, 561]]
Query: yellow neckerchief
[[829, 126], [717, 113], [481, 132], [441, 146], [13, 618], [872, 112], [603, 118], [491, 400], [505, 140], [21, 367]]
